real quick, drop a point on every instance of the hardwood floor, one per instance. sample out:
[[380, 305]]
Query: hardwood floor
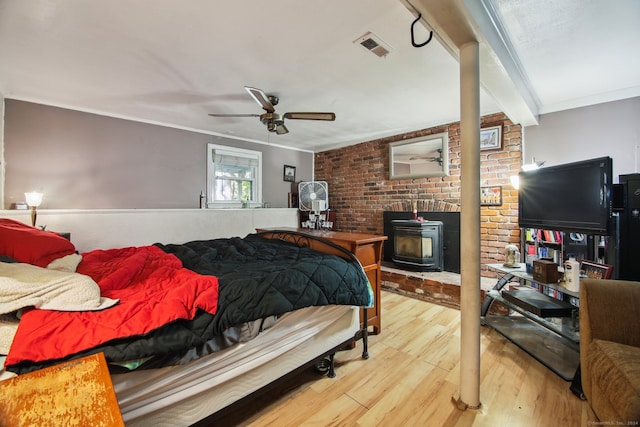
[[411, 377]]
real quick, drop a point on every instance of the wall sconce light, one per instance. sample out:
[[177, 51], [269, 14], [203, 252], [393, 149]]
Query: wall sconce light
[[33, 200], [515, 179]]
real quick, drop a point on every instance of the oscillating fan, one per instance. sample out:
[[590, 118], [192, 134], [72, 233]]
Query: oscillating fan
[[313, 196]]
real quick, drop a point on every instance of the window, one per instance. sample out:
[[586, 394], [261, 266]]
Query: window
[[233, 177]]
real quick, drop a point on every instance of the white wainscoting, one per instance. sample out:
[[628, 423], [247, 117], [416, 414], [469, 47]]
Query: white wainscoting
[[104, 229]]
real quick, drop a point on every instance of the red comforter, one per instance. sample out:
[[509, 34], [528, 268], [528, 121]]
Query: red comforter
[[152, 286]]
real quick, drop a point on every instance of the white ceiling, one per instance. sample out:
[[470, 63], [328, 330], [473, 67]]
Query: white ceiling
[[169, 62]]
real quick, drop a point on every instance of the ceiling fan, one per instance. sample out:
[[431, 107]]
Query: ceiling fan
[[273, 120]]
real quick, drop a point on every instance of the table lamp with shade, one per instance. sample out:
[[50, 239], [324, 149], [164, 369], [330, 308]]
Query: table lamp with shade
[[33, 200]]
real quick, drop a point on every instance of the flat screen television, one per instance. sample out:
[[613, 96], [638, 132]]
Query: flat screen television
[[569, 197]]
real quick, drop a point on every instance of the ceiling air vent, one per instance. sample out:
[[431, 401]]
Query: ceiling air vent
[[373, 44]]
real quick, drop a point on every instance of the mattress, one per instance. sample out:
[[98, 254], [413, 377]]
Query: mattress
[[184, 394]]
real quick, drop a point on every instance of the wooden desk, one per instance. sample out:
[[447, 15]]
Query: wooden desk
[[368, 249], [78, 392]]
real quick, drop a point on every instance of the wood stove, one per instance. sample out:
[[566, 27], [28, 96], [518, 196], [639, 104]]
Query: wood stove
[[417, 245], [450, 235]]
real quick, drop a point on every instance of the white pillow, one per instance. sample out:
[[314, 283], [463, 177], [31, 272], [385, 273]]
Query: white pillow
[[66, 263]]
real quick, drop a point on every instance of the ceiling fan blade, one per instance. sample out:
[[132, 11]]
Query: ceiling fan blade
[[281, 129], [261, 98], [310, 116], [234, 115]]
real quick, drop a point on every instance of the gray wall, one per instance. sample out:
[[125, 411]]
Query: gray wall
[[87, 161], [608, 129]]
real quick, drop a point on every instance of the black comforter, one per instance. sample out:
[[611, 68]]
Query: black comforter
[[260, 277]]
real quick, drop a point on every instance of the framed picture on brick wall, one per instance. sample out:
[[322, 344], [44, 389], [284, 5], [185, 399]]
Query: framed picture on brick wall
[[491, 196], [491, 138]]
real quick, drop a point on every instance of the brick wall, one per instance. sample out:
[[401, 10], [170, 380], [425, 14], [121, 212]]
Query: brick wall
[[360, 189]]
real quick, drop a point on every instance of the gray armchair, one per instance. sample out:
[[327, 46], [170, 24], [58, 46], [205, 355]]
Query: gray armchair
[[610, 349]]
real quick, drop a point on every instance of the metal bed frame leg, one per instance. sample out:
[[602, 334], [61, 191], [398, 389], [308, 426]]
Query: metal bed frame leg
[[332, 371], [327, 365], [365, 335]]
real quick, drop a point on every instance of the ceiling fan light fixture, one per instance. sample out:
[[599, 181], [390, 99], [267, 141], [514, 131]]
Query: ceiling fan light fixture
[[267, 118], [273, 120]]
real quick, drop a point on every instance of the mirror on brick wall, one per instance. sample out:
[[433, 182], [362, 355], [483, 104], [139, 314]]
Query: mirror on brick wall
[[424, 156]]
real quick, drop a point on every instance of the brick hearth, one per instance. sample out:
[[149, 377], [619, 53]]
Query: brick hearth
[[441, 288]]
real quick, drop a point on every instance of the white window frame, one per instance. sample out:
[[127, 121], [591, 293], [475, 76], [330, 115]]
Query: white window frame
[[212, 203]]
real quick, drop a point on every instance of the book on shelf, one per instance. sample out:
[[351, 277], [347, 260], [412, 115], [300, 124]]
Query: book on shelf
[[549, 253], [529, 233], [558, 236], [545, 236]]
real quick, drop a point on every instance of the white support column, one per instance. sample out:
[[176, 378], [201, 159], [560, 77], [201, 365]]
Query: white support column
[[470, 227]]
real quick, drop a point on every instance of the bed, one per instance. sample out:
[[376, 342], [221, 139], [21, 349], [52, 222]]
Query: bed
[[187, 329]]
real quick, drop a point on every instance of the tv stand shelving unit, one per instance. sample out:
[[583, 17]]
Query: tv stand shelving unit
[[558, 245], [544, 326]]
